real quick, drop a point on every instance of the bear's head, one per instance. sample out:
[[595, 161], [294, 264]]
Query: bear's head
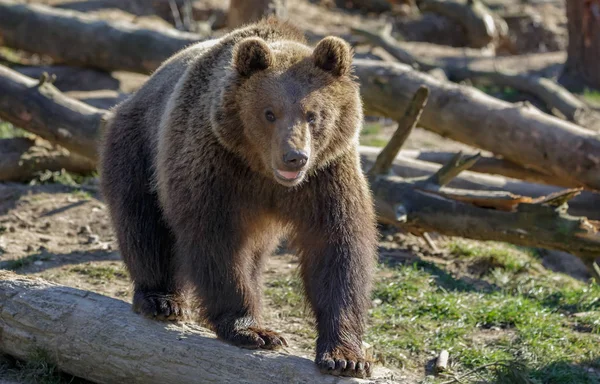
[[288, 109]]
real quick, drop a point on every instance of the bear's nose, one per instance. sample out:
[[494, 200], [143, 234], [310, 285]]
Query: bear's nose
[[295, 159]]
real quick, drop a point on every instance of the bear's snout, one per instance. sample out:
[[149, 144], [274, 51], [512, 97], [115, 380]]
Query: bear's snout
[[295, 159]]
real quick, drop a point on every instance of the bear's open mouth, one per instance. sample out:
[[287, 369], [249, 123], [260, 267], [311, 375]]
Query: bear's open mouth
[[288, 175]]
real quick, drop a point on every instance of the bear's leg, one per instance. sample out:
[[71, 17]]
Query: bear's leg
[[337, 248], [336, 274], [145, 241], [224, 263]]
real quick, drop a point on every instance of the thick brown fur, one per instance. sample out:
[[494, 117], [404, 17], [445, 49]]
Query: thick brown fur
[[192, 169]]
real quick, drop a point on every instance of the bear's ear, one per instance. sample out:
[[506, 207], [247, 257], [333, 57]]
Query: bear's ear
[[333, 55], [251, 55]]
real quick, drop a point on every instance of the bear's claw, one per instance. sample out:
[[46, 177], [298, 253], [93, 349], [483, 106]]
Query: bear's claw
[[342, 361]]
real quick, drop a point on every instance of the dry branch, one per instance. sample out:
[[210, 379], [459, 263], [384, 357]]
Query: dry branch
[[405, 126], [40, 108], [407, 167], [22, 159], [102, 340], [414, 205], [487, 164]]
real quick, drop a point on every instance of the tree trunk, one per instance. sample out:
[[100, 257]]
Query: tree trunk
[[581, 68], [247, 11], [100, 339]]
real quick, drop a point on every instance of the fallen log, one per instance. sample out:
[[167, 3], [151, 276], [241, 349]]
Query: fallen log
[[23, 159], [72, 78], [555, 96], [100, 339], [85, 130], [519, 133], [91, 42], [407, 167], [483, 27], [39, 107]]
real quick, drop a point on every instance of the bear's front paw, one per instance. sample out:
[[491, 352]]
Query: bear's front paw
[[254, 338], [343, 361], [159, 306]]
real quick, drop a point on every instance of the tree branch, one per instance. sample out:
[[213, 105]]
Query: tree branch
[[405, 126]]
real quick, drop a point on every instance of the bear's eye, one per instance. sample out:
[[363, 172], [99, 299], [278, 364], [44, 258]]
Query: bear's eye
[[270, 116], [311, 117]]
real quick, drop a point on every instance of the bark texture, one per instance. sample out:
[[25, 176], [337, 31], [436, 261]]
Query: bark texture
[[102, 340], [584, 43]]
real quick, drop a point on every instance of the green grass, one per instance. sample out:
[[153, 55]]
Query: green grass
[[371, 135], [8, 131], [39, 369], [373, 141], [371, 129], [591, 96], [62, 177], [531, 325], [101, 273], [25, 261]]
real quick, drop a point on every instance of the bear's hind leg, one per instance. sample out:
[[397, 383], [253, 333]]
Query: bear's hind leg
[[145, 241]]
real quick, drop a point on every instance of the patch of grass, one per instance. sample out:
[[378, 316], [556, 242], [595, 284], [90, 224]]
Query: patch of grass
[[8, 131], [25, 261], [288, 294], [493, 256], [61, 177], [371, 129], [39, 368], [373, 141], [418, 317], [531, 326], [82, 195], [101, 273], [591, 96]]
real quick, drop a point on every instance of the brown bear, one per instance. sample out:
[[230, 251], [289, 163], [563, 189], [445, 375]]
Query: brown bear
[[231, 145]]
